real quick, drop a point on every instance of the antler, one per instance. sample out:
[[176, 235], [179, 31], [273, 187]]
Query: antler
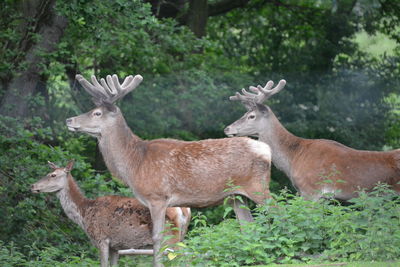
[[261, 93], [111, 90]]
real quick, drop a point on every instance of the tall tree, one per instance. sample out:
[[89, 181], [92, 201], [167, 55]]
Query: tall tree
[[197, 17], [40, 29]]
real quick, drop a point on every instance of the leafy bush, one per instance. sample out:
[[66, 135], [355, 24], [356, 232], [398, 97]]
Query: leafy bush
[[38, 220], [55, 256], [290, 229]]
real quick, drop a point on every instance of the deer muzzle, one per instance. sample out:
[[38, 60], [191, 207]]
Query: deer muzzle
[[230, 132], [34, 189], [69, 122]]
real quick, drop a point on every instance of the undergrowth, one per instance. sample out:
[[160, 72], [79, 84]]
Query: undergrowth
[[290, 229]]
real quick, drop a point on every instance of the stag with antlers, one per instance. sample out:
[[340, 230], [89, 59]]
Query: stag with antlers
[[307, 162], [168, 172]]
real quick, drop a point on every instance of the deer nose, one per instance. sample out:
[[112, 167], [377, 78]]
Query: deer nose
[[68, 121], [229, 132]]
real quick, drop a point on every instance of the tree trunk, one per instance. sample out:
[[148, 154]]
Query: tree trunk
[[198, 12], [197, 17], [49, 27]]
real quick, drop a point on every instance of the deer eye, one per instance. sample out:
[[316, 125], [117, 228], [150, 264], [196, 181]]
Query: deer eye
[[97, 113], [252, 117], [53, 175]]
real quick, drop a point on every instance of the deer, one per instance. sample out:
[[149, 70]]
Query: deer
[[111, 222], [168, 172], [315, 167]]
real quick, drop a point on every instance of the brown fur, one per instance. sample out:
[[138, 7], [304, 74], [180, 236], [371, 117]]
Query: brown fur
[[308, 163], [167, 172], [318, 160], [119, 222]]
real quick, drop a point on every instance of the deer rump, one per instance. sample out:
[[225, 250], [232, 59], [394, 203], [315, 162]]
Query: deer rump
[[326, 166]]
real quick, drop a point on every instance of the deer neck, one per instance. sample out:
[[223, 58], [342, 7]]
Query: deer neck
[[73, 201], [119, 147], [284, 145]]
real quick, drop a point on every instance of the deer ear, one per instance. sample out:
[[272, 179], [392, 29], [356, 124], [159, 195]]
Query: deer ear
[[69, 166], [52, 165], [262, 108], [109, 106]]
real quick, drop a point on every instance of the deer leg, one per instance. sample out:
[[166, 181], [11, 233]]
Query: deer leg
[[258, 192], [259, 198], [241, 210], [114, 257], [157, 211], [104, 247]]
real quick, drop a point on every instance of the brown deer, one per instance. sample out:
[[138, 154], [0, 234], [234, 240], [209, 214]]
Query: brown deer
[[111, 222], [168, 172], [315, 167]]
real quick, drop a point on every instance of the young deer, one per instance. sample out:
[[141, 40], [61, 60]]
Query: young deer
[[167, 172], [309, 162], [111, 222]]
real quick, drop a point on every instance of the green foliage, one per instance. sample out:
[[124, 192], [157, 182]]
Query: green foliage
[[364, 230], [38, 219], [392, 122], [126, 36], [9, 256], [55, 256], [188, 105], [10, 38], [290, 229], [335, 90]]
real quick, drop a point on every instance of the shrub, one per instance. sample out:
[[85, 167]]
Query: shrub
[[38, 219], [291, 229]]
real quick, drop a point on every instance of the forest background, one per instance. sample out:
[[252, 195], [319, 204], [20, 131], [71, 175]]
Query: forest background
[[340, 59]]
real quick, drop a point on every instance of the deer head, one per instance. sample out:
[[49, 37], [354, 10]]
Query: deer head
[[54, 181], [104, 95], [251, 123]]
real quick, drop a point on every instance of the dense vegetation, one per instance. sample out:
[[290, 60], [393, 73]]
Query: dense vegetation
[[338, 88], [293, 230]]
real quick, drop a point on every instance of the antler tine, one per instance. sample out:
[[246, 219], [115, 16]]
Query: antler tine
[[109, 89], [261, 92], [98, 87], [127, 86], [247, 99], [238, 97], [113, 90], [247, 94], [259, 95], [95, 89], [126, 81], [270, 92], [266, 92]]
